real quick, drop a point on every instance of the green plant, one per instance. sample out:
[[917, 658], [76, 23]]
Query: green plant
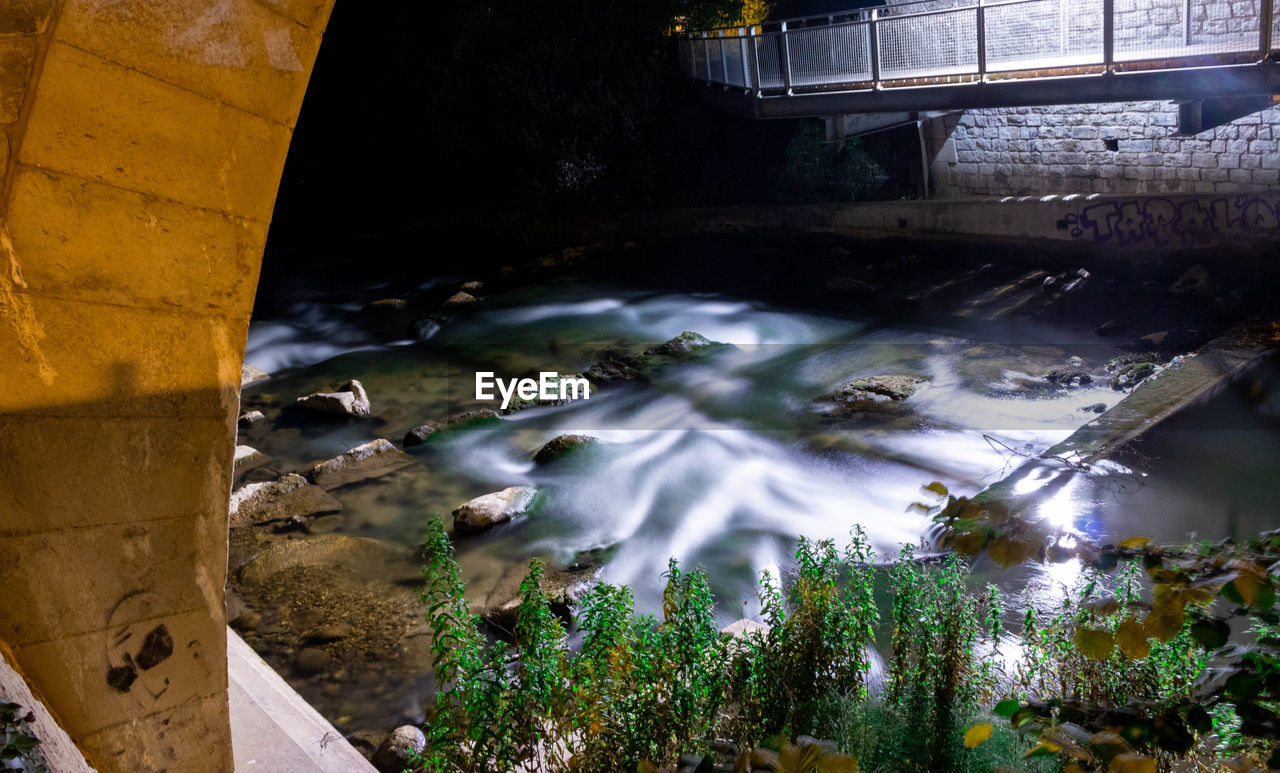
[[19, 747]]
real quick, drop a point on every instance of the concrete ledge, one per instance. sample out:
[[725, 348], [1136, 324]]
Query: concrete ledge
[[273, 729]]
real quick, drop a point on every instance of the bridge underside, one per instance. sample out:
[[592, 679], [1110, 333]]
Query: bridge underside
[[1181, 85]]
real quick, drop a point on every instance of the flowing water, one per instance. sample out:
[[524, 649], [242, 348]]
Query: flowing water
[[724, 461]]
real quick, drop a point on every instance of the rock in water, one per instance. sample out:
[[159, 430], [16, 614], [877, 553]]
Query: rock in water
[[364, 462], [393, 754], [459, 299], [487, 511], [250, 374], [349, 400], [287, 498], [248, 457], [564, 588], [876, 389], [744, 628], [562, 445], [249, 418], [423, 432], [683, 345]]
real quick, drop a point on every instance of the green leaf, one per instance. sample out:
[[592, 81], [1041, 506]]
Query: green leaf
[[1005, 708]]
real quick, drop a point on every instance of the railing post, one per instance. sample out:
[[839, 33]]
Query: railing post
[[1186, 21], [982, 40], [755, 60], [1265, 20], [1108, 33], [786, 60], [724, 62], [873, 45], [746, 62]]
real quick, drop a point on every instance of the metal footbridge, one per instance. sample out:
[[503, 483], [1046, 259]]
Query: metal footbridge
[[913, 58]]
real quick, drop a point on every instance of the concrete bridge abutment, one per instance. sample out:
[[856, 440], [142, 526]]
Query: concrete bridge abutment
[[141, 146]]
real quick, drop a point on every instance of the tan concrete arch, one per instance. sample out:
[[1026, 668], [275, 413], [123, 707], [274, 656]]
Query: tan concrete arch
[[141, 146]]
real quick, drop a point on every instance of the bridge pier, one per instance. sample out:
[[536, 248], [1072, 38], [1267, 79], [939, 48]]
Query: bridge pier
[[141, 144]]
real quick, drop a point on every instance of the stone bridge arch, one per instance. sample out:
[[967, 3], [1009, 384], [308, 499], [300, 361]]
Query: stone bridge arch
[[141, 146]]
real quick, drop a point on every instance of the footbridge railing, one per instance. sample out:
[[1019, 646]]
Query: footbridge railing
[[956, 42]]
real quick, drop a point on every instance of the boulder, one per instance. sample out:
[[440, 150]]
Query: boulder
[[423, 432], [287, 498], [686, 344], [487, 511], [459, 299], [249, 418], [362, 463], [744, 628], [558, 447], [1068, 377], [621, 366], [887, 388], [472, 286], [564, 588], [350, 399], [246, 458], [250, 374], [394, 754]]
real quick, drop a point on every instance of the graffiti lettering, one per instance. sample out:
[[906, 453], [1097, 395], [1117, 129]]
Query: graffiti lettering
[[1160, 222]]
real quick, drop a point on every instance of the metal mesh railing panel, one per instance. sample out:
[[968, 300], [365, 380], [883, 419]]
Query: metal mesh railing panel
[[699, 59], [715, 63], [767, 48], [824, 55], [1275, 26], [733, 61], [1039, 34], [929, 44], [1170, 29]]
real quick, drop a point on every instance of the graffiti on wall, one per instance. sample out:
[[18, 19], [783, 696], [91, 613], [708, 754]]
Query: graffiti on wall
[[1164, 222]]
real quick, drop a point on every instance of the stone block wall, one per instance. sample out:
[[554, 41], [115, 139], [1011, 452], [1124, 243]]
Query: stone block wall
[[1068, 149]]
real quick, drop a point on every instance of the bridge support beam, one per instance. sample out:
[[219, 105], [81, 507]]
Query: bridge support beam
[[141, 144]]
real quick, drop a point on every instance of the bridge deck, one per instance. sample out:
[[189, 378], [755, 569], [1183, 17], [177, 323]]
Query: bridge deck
[[960, 54]]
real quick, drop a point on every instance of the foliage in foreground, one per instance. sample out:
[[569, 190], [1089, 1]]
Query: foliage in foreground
[[1078, 687], [19, 748]]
